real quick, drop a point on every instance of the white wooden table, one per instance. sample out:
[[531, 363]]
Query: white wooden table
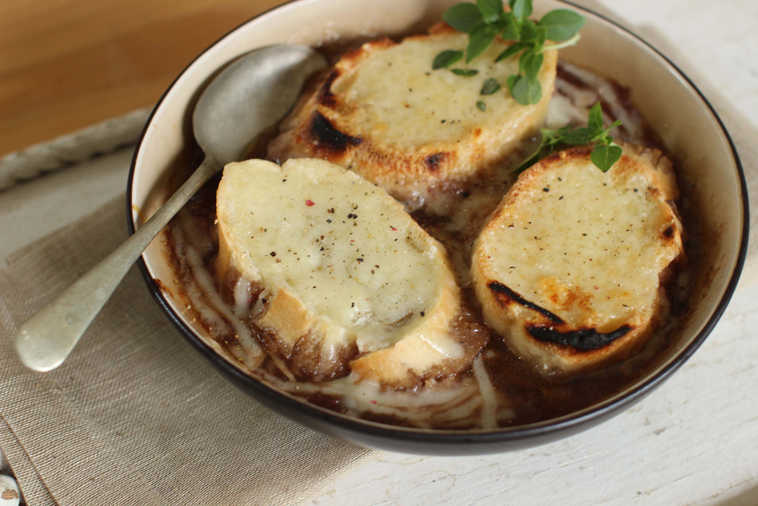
[[694, 440]]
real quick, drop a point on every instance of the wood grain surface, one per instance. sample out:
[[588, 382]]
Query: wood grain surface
[[65, 64]]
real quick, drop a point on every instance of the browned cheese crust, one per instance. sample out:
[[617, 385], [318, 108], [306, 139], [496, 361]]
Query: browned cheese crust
[[569, 267], [382, 111]]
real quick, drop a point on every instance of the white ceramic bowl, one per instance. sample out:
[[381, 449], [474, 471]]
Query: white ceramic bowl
[[709, 172]]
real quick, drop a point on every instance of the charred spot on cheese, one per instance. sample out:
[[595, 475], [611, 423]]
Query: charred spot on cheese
[[504, 294], [337, 293], [381, 110], [569, 267], [328, 137], [325, 95], [582, 339]]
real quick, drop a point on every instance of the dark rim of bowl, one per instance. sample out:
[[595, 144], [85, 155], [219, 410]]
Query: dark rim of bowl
[[481, 436]]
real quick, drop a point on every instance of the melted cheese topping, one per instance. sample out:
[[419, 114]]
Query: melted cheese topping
[[585, 244], [351, 256], [399, 98], [211, 308]]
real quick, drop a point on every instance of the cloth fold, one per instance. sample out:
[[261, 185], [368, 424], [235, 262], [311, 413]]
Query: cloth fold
[[135, 416]]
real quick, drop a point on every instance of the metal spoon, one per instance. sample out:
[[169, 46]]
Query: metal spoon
[[247, 97]]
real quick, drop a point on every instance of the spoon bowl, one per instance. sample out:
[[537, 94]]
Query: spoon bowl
[[249, 96]]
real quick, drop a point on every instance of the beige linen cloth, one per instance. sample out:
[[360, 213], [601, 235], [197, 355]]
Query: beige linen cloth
[[136, 415]]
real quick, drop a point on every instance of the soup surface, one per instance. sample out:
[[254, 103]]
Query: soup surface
[[499, 389]]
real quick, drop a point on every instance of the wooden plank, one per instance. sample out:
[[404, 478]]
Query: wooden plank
[[70, 63]]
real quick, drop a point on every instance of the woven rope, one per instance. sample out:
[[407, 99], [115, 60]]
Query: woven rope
[[72, 148]]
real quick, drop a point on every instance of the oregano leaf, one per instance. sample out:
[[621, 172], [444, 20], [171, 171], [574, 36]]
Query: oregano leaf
[[540, 38], [522, 9], [534, 90], [491, 10], [561, 24], [530, 64], [604, 156], [478, 41], [510, 51], [464, 17], [577, 136], [595, 118], [490, 86], [510, 29], [446, 58], [486, 19], [528, 31], [604, 153], [465, 72], [510, 82], [526, 91]]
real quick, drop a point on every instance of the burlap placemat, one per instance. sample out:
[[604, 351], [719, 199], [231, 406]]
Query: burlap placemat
[[136, 416]]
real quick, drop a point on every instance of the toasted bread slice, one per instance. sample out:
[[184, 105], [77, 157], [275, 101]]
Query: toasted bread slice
[[568, 268], [382, 111], [343, 274]]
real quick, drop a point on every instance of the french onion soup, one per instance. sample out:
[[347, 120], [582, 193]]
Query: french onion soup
[[385, 255]]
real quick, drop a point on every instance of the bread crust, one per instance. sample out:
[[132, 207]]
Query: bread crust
[[346, 121], [601, 299]]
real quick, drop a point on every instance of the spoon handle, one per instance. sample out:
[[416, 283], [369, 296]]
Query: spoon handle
[[47, 338]]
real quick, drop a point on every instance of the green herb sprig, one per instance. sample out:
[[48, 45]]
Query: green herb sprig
[[487, 19], [604, 154], [465, 72]]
